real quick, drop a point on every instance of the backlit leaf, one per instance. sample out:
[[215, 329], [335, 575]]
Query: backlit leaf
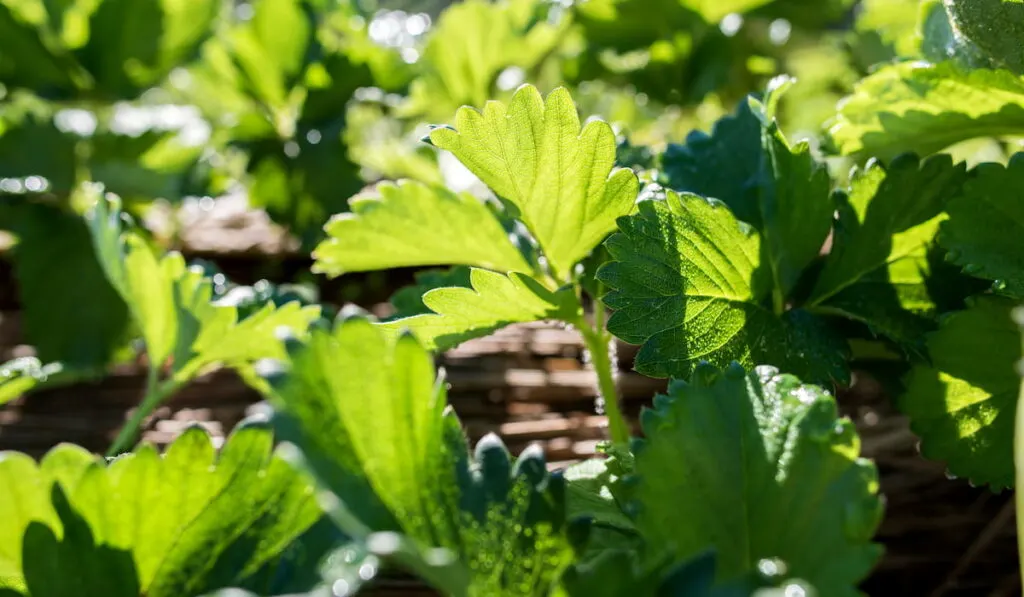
[[183, 523], [534, 154], [493, 302], [924, 108], [371, 419], [412, 224]]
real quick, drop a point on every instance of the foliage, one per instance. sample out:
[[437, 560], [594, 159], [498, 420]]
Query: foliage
[[789, 237], [76, 524], [556, 181]]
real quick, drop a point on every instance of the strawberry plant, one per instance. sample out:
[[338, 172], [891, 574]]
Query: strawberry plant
[[758, 271]]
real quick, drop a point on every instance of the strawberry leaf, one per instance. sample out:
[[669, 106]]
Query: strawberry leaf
[[146, 524], [768, 447], [924, 108], [173, 306], [963, 404], [493, 302], [372, 422], [534, 154], [777, 188], [877, 271], [985, 226], [408, 301], [688, 284], [70, 311], [413, 224]]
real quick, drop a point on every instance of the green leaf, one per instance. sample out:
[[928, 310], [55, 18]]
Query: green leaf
[[31, 145], [125, 61], [985, 225], [128, 528], [771, 449], [894, 21], [591, 493], [963, 404], [31, 56], [714, 11], [302, 184], [778, 189], [534, 154], [173, 306], [996, 27], [19, 376], [924, 108], [688, 284], [408, 301], [470, 46], [371, 419], [494, 301], [878, 268], [413, 224], [59, 280]]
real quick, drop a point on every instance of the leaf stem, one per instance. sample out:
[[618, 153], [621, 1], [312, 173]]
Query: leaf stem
[[598, 342], [156, 392], [1018, 461]]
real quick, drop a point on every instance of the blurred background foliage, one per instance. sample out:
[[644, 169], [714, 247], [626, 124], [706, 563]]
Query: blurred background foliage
[[296, 105]]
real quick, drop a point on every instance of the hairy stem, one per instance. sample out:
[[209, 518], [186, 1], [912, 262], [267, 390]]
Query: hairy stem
[[598, 342], [155, 394]]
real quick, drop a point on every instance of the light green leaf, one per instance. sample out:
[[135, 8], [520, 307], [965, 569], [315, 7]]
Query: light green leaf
[[714, 11], [413, 224], [371, 419], [25, 374], [688, 283], [135, 272], [152, 525], [408, 301], [778, 189], [493, 302], [963, 404], [878, 267], [986, 223], [757, 466], [534, 154], [174, 308], [472, 43], [893, 21], [924, 108]]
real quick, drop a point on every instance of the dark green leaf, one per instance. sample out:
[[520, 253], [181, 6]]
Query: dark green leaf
[[766, 446], [779, 189], [963, 404], [986, 224], [878, 269], [689, 285]]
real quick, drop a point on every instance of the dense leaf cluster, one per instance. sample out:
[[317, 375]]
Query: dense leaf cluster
[[741, 260]]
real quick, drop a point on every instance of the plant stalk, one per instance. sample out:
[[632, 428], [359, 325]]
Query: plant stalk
[[155, 394], [598, 341], [1018, 461]]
